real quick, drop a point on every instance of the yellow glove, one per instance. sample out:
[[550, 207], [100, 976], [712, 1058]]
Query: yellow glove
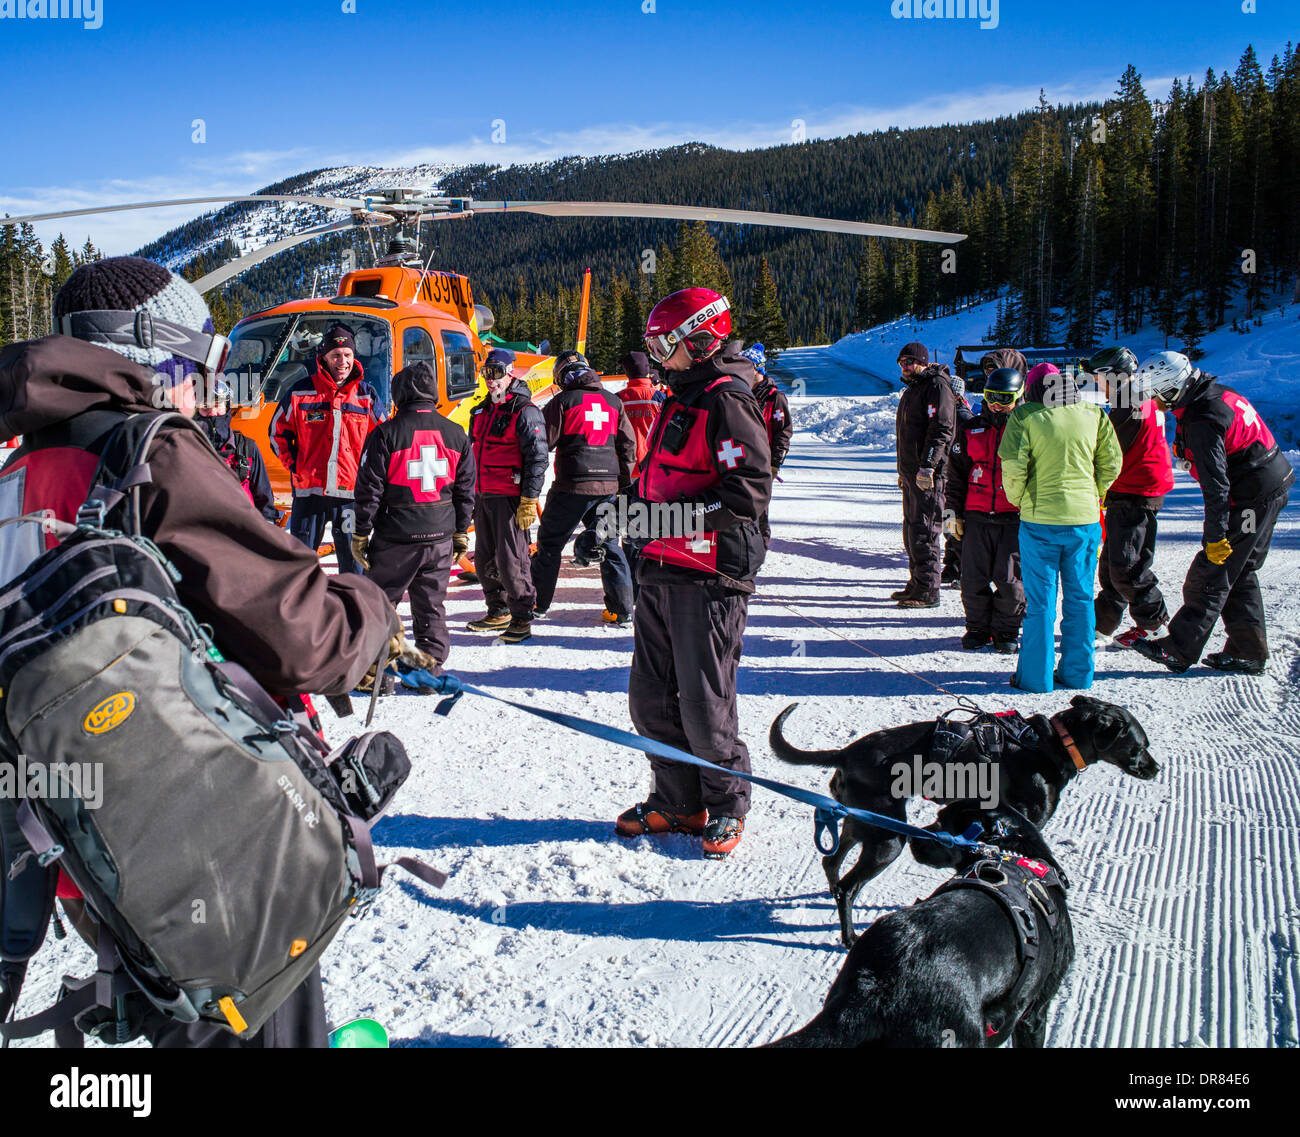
[[955, 527], [459, 544], [925, 479], [361, 551], [526, 514], [1218, 551], [400, 648]]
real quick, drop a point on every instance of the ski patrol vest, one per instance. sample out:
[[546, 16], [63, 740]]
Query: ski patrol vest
[[679, 463], [640, 407], [773, 416], [984, 493], [492, 432], [1148, 469], [585, 451], [1247, 437], [416, 504]]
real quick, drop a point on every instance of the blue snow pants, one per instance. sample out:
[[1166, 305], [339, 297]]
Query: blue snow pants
[[1049, 552]]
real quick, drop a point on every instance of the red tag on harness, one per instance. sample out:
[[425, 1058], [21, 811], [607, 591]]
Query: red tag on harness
[[1036, 867]]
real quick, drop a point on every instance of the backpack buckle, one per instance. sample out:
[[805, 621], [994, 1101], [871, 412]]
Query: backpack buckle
[[52, 854], [364, 898], [92, 513]]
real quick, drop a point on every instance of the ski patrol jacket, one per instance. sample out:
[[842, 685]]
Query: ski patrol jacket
[[1148, 470], [594, 444], [974, 484], [270, 605], [509, 443], [1229, 450], [638, 399], [776, 418], [708, 451], [416, 481], [320, 428], [926, 422], [1058, 461], [241, 454]]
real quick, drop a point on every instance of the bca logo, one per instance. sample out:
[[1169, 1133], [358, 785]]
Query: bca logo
[[110, 713]]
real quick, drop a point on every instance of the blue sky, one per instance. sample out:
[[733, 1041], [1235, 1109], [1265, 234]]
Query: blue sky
[[105, 115]]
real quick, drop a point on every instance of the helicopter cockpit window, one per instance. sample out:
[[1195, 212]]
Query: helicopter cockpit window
[[462, 369], [418, 347], [273, 354]]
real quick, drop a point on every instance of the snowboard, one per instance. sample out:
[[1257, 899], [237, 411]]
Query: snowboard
[[359, 1034]]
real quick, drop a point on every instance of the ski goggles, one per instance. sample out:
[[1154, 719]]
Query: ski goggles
[[142, 329], [495, 371], [1001, 398], [661, 347]]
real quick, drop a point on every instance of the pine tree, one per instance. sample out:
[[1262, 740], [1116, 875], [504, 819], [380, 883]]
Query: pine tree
[[1193, 330], [763, 322]]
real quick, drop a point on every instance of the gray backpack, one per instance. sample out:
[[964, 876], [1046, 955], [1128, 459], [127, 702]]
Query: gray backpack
[[218, 843]]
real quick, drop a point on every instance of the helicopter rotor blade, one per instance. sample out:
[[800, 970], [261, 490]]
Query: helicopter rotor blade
[[694, 213], [233, 268], [308, 199]]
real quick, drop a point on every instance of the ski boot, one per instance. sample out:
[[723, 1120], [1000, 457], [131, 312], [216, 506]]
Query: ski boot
[[641, 820], [615, 619], [1136, 633], [721, 835]]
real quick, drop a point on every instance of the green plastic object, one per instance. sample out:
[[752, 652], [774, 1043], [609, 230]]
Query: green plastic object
[[359, 1034]]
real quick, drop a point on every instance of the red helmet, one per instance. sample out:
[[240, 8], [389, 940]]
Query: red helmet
[[698, 316]]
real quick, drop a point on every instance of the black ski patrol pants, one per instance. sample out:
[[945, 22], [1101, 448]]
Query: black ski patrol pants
[[1125, 573], [501, 556], [990, 556], [682, 691], [1230, 590], [922, 523], [422, 568]]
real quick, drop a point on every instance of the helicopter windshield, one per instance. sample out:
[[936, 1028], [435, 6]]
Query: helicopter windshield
[[270, 355]]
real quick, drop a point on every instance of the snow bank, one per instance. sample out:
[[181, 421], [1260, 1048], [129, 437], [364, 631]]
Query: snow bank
[[866, 422]]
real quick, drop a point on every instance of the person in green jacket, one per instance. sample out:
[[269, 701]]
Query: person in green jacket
[[1059, 457]]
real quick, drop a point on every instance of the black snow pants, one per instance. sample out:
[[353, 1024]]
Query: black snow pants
[[991, 588], [922, 521], [682, 691], [501, 557], [564, 513], [424, 569], [1230, 590], [1125, 572]]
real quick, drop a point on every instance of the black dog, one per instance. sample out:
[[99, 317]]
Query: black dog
[[975, 964], [1034, 761]]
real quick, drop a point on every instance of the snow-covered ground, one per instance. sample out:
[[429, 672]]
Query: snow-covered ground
[[552, 931]]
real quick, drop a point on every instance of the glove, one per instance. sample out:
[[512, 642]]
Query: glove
[[902, 482], [955, 527], [361, 551], [1218, 551], [925, 479], [526, 514], [459, 544], [401, 650]]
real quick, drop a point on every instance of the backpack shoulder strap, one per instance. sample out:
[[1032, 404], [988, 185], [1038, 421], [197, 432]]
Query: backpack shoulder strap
[[124, 467]]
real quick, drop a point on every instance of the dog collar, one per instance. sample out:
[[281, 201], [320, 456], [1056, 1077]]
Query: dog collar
[[1067, 740]]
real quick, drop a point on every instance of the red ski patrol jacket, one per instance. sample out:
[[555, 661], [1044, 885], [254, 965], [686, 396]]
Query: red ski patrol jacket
[[709, 450], [776, 418], [509, 441], [1229, 450], [320, 428], [975, 471], [1148, 470], [594, 444], [416, 481], [640, 407]]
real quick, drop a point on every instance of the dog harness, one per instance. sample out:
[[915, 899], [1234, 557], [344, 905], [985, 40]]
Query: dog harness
[[1022, 886], [982, 738]]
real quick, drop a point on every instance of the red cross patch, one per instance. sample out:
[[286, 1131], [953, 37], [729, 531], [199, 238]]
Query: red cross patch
[[730, 454]]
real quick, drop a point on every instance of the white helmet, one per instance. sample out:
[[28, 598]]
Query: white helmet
[[1165, 376]]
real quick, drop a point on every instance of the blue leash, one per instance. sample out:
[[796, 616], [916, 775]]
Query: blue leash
[[828, 811]]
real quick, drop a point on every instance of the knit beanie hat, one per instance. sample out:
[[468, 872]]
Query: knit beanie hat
[[133, 284], [917, 351]]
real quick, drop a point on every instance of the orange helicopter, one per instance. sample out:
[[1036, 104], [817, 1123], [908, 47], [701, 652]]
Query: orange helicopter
[[399, 311]]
